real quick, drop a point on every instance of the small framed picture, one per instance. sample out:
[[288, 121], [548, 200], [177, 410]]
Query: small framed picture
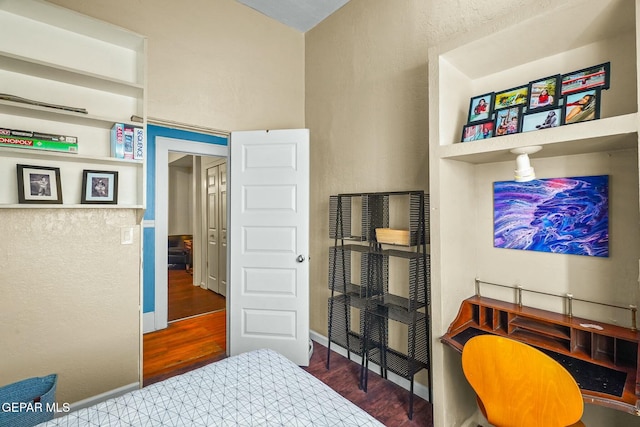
[[511, 97], [508, 121], [99, 187], [543, 93], [582, 106], [597, 76], [538, 120], [480, 108], [477, 131], [39, 184]]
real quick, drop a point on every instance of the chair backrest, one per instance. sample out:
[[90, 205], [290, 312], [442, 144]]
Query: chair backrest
[[519, 385]]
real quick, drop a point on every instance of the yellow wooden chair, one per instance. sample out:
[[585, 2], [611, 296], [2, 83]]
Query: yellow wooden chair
[[519, 386]]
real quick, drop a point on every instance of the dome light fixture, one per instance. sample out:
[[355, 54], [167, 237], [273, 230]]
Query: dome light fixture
[[524, 172]]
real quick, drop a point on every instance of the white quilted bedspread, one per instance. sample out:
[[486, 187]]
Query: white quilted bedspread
[[259, 388]]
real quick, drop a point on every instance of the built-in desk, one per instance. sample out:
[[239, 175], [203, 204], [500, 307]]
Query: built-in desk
[[603, 358]]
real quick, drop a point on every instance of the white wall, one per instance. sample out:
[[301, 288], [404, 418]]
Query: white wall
[[180, 200]]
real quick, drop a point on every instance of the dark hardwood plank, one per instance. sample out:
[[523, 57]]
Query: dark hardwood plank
[[384, 400], [186, 300]]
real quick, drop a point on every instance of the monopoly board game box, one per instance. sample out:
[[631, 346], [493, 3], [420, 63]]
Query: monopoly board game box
[[38, 141], [38, 135]]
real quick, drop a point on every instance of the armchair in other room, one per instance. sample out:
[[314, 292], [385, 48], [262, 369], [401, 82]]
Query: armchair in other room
[[179, 251], [519, 386]]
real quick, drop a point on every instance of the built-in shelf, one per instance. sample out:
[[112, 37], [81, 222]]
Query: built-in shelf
[[45, 70], [60, 57], [63, 206], [28, 153], [73, 21], [604, 135], [54, 114]]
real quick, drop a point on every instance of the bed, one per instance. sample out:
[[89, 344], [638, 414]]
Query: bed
[[258, 388]]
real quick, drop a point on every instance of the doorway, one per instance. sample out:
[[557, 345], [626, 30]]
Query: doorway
[[169, 348], [156, 282], [196, 273], [266, 154]]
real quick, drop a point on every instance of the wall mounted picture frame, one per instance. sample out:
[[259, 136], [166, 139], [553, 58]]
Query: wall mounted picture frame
[[581, 107], [477, 131], [597, 76], [99, 187], [511, 97], [507, 121], [543, 93], [538, 120], [480, 108], [39, 184], [557, 215]]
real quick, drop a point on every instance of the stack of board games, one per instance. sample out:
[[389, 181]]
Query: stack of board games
[[127, 142], [38, 140]]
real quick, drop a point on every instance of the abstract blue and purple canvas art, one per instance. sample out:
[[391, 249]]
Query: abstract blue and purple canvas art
[[559, 215]]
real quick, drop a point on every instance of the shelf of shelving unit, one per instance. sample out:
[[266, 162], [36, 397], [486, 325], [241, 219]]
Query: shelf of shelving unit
[[71, 117], [45, 70], [67, 157], [61, 57], [530, 43], [374, 209], [340, 271], [69, 206], [376, 306], [344, 334]]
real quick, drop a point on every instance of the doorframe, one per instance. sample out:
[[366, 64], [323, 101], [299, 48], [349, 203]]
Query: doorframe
[[160, 141]]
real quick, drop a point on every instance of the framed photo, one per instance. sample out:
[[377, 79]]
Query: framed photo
[[477, 131], [507, 121], [39, 184], [588, 78], [99, 187], [543, 93], [581, 106], [511, 97], [480, 108], [538, 120]]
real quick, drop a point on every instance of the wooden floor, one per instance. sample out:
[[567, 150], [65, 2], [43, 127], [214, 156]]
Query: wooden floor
[[186, 300], [194, 342], [184, 345], [384, 400]]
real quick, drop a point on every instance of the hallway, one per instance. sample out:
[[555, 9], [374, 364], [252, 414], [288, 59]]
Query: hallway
[[186, 300]]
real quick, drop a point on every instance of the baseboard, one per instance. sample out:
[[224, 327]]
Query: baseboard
[[418, 389], [94, 400]]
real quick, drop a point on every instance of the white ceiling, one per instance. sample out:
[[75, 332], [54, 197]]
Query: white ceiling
[[302, 15]]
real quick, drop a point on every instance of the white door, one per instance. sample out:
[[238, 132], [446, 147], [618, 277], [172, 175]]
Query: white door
[[269, 242], [222, 227], [213, 248]]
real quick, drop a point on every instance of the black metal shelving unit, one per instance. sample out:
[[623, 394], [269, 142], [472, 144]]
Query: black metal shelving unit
[[361, 310]]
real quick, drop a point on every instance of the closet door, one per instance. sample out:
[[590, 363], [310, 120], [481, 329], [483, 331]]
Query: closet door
[[213, 248], [222, 256]]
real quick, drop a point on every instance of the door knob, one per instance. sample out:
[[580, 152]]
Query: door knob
[[300, 258]]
